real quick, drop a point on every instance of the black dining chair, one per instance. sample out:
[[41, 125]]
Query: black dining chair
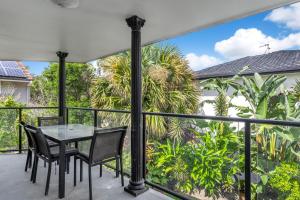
[[46, 153], [106, 146], [31, 147], [51, 121]]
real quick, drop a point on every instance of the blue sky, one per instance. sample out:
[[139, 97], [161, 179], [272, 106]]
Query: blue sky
[[280, 29]]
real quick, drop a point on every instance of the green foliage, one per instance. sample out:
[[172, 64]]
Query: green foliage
[[79, 78], [296, 91], [8, 124], [223, 101], [170, 160], [167, 86], [221, 105], [258, 93], [286, 179], [208, 162], [215, 161]]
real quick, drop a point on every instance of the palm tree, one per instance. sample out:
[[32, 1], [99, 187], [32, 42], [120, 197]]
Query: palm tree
[[167, 87]]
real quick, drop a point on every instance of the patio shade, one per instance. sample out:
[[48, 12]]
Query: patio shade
[[36, 29]]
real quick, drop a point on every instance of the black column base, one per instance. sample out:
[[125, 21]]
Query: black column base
[[135, 192], [136, 188]]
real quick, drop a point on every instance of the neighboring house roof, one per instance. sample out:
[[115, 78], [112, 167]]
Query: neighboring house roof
[[13, 70], [285, 61]]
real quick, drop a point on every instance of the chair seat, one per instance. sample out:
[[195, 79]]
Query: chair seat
[[51, 143], [69, 151], [83, 155]]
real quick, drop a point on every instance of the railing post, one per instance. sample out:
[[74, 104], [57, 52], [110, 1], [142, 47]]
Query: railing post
[[81, 117], [247, 161], [95, 118], [144, 146], [67, 115], [20, 130]]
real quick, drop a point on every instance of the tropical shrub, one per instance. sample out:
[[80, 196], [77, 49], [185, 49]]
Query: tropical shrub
[[9, 138], [208, 162], [286, 180]]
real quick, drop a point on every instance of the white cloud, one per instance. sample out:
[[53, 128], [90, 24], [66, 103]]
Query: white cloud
[[289, 16], [247, 42], [198, 62]]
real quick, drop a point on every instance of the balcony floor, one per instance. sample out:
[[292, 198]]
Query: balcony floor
[[15, 183]]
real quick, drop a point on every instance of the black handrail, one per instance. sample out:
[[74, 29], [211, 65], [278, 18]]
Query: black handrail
[[38, 107], [231, 119], [98, 109], [206, 117]]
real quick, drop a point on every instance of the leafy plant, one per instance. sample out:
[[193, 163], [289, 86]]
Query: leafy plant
[[170, 167], [215, 159], [207, 162], [286, 180], [258, 93]]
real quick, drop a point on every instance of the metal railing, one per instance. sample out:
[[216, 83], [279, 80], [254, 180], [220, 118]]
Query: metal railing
[[19, 112], [247, 139], [247, 136]]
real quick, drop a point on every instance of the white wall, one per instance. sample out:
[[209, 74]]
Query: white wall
[[20, 90]]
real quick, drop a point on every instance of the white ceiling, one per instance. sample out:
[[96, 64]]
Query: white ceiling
[[36, 29]]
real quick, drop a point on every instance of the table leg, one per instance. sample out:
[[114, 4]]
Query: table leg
[[61, 176]]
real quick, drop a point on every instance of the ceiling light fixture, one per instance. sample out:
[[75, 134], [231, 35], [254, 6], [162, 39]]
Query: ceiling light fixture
[[66, 3]]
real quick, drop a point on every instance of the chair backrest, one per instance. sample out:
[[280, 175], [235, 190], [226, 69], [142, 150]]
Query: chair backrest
[[50, 121], [40, 141], [107, 143], [29, 138]]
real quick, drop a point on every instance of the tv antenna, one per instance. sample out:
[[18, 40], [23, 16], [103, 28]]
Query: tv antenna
[[267, 46]]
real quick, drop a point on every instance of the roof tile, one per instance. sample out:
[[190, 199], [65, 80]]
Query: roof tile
[[276, 62]]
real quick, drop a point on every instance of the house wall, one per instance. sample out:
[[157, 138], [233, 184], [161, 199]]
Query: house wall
[[208, 109], [20, 90]]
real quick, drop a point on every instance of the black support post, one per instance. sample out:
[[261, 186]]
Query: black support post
[[62, 84], [20, 130], [136, 184], [67, 115], [95, 118], [144, 146], [247, 161]]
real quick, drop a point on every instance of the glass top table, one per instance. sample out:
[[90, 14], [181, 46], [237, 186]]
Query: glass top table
[[68, 132], [63, 134]]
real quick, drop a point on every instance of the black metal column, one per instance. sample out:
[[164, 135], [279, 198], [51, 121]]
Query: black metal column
[[136, 184], [62, 84], [95, 118], [20, 130]]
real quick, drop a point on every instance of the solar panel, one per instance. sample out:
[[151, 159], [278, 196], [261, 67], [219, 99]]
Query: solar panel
[[10, 64], [11, 69], [2, 72], [14, 72]]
